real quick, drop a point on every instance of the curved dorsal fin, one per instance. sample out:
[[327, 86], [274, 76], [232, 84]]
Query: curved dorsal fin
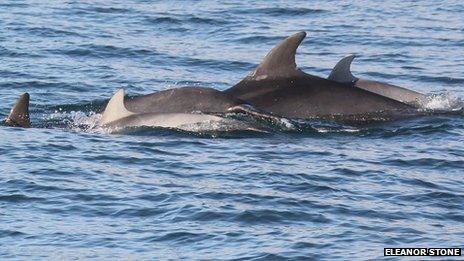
[[19, 115], [342, 72], [280, 61], [115, 109]]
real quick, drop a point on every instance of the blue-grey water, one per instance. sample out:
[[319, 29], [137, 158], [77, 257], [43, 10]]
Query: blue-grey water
[[320, 190]]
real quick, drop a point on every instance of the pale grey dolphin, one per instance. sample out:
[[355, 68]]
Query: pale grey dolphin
[[342, 73], [19, 114], [117, 115], [173, 108], [169, 110], [279, 87]]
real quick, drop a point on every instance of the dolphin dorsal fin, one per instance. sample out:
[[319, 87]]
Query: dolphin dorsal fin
[[342, 70], [19, 115], [280, 61], [115, 109]]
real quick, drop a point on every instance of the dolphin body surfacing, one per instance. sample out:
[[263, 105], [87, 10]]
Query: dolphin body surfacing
[[279, 87], [174, 108], [183, 100], [19, 114], [342, 73], [116, 115]]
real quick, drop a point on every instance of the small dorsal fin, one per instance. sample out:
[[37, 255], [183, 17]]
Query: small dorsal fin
[[342, 72], [19, 115], [115, 109], [280, 61]]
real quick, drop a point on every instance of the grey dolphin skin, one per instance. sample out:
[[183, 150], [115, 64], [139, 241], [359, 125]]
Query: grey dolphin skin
[[19, 115], [342, 73], [279, 87], [116, 115], [183, 100], [173, 108]]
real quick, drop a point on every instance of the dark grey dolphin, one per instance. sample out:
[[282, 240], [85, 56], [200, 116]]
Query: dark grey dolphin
[[19, 114], [342, 73], [279, 87]]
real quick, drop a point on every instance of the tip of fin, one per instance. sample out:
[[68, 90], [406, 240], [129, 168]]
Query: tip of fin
[[342, 70], [19, 114], [115, 109], [280, 61]]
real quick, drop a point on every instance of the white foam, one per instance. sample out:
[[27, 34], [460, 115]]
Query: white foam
[[88, 122], [443, 102], [328, 130], [287, 124]]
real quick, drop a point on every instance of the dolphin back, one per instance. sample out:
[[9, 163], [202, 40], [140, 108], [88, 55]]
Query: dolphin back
[[342, 73]]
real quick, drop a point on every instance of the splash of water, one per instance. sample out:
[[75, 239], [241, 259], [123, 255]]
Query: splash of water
[[443, 102], [88, 122]]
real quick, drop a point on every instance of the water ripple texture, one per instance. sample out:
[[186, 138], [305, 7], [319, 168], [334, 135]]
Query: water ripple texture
[[306, 191]]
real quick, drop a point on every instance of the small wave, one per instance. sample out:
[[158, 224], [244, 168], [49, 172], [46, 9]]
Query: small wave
[[277, 11], [11, 233], [104, 51], [37, 84], [13, 4], [4, 52], [51, 32], [101, 10], [441, 80], [18, 198], [15, 74], [164, 20], [439, 164], [258, 39], [186, 19], [276, 216], [111, 10], [180, 237], [207, 21]]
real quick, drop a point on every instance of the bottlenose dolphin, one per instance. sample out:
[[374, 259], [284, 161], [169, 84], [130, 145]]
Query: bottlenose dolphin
[[342, 73], [279, 87], [117, 115], [173, 108], [19, 114]]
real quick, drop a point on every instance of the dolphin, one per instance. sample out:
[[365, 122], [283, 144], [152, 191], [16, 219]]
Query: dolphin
[[19, 114], [342, 73], [174, 108], [277, 86], [116, 115], [183, 100]]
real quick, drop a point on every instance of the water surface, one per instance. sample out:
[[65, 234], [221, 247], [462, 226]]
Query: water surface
[[317, 191]]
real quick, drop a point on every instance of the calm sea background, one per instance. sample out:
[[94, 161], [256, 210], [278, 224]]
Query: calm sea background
[[320, 191]]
